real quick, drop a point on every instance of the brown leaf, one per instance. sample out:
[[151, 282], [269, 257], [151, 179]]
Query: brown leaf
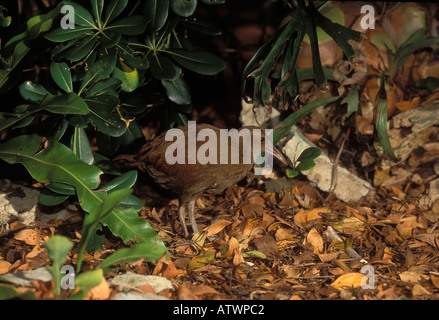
[[184, 293], [316, 240], [409, 276], [28, 236], [350, 280], [267, 245]]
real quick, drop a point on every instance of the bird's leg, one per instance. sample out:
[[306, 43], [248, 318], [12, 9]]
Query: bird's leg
[[190, 208], [182, 215]]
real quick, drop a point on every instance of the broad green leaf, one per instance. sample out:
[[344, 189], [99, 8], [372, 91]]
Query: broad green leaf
[[183, 8], [305, 164], [156, 12], [81, 146], [58, 247], [108, 203], [81, 48], [132, 58], [101, 69], [53, 163], [104, 116], [97, 6], [18, 47], [110, 38], [108, 86], [131, 26], [61, 35], [291, 173], [32, 92], [177, 91], [69, 103], [83, 17], [149, 251], [114, 9], [61, 188], [124, 181], [60, 73], [163, 69], [309, 154], [50, 198], [132, 201], [198, 61], [126, 223]]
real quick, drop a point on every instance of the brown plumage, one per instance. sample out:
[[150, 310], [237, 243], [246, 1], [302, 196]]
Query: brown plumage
[[189, 181]]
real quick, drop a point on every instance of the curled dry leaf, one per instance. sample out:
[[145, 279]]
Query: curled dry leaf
[[316, 240], [350, 280]]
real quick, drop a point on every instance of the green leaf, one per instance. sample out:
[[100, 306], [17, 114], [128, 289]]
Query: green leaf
[[106, 86], [60, 73], [198, 61], [149, 251], [381, 122], [18, 47], [285, 126], [80, 49], [131, 26], [58, 247], [104, 116], [353, 101], [408, 49], [97, 6], [156, 12], [110, 38], [53, 163], [183, 8], [83, 17], [50, 198], [309, 154], [124, 181], [291, 173], [126, 223], [431, 83], [69, 103], [81, 146], [61, 35], [61, 188], [177, 91], [305, 164], [32, 92], [163, 69], [101, 69], [113, 10], [108, 203], [132, 58]]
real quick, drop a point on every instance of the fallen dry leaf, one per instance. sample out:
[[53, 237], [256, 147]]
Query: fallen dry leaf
[[316, 240], [410, 276], [350, 280]]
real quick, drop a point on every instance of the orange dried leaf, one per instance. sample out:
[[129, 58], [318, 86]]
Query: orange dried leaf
[[316, 240], [350, 280]]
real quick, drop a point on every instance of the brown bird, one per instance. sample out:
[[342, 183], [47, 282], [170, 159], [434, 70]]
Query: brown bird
[[198, 158]]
